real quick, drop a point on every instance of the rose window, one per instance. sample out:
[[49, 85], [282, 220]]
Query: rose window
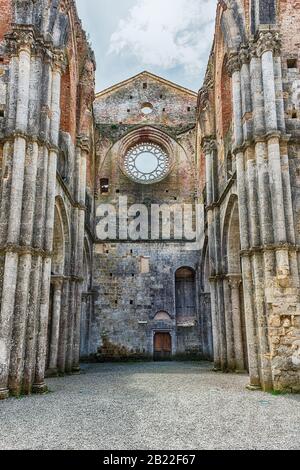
[[146, 163]]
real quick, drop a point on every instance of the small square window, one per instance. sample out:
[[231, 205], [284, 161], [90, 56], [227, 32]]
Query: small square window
[[104, 185], [131, 302], [1, 113], [145, 86], [291, 63], [128, 110], [188, 108]]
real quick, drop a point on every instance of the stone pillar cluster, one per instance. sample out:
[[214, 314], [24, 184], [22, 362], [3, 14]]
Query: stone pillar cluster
[[217, 307], [82, 153], [226, 307], [67, 302], [27, 209], [270, 272]]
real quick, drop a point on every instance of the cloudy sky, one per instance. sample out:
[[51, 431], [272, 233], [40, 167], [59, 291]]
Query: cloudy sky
[[171, 38]]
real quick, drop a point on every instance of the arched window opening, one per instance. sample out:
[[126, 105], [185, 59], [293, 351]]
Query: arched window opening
[[185, 295], [62, 166], [162, 316], [104, 185], [58, 256]]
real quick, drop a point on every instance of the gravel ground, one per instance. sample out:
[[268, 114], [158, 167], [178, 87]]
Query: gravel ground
[[151, 406]]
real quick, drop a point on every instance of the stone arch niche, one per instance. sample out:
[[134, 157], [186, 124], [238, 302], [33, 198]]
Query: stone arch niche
[[59, 271], [237, 357], [58, 252], [162, 316], [187, 324], [87, 301], [205, 306]]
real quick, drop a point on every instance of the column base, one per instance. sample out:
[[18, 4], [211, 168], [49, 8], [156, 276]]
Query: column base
[[4, 393], [253, 388], [76, 370], [51, 373], [39, 389]]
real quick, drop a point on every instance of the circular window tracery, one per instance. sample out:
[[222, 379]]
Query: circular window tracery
[[146, 163], [147, 108]]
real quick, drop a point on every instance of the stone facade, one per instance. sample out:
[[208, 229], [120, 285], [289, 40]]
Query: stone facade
[[136, 281], [232, 152]]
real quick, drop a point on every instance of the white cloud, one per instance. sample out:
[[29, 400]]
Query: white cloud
[[167, 33]]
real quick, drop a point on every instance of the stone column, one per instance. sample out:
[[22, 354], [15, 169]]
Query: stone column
[[70, 327], [209, 146], [83, 142], [84, 324], [215, 326], [220, 292], [11, 263], [246, 93], [25, 268], [55, 327], [234, 65], [62, 349], [267, 44], [39, 383], [229, 326], [235, 283]]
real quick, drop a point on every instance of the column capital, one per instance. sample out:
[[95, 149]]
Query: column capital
[[58, 280], [234, 280], [209, 144], [268, 41], [203, 97], [59, 60], [83, 142], [20, 39], [233, 63], [244, 55]]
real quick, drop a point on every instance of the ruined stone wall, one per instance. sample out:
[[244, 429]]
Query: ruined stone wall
[[255, 46], [45, 146]]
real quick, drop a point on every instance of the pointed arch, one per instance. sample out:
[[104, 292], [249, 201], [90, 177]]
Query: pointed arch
[[231, 237], [62, 231]]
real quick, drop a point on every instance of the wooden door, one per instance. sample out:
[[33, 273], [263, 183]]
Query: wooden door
[[162, 346]]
